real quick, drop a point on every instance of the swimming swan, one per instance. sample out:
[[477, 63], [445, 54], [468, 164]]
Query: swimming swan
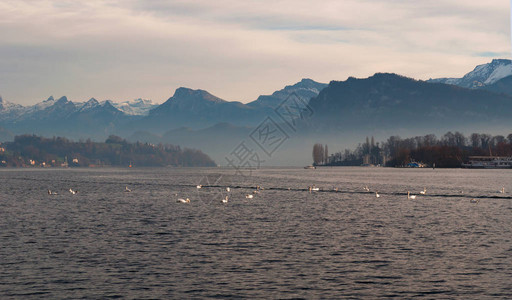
[[181, 200]]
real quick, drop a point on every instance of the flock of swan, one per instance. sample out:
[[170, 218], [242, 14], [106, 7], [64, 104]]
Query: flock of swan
[[311, 189], [223, 200], [73, 192]]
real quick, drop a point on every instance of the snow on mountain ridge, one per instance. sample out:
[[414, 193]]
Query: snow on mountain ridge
[[6, 105], [41, 105], [135, 107], [481, 75], [500, 72], [132, 107], [488, 73], [89, 104]]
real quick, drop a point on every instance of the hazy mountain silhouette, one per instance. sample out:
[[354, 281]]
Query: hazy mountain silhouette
[[342, 111], [196, 109], [305, 89], [392, 101]]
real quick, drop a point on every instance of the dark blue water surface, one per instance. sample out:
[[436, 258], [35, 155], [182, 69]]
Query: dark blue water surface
[[284, 243]]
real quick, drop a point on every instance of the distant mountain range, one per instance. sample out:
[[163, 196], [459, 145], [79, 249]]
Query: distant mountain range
[[195, 109], [62, 117], [387, 103], [390, 101]]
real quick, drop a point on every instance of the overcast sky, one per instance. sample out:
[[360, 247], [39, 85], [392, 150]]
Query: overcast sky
[[237, 50]]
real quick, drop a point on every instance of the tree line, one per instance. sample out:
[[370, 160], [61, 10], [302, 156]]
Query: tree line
[[32, 150], [448, 151]]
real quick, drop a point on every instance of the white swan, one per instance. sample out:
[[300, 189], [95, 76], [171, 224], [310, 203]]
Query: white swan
[[313, 188], [126, 189], [73, 192], [377, 195], [502, 191], [181, 200], [411, 197], [199, 186], [249, 196], [228, 189], [424, 191], [366, 188], [225, 200]]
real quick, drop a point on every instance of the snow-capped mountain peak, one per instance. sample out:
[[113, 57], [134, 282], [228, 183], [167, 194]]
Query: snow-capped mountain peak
[[89, 104], [482, 75], [8, 107], [41, 105], [135, 107]]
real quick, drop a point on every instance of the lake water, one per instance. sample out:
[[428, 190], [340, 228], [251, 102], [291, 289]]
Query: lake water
[[284, 243]]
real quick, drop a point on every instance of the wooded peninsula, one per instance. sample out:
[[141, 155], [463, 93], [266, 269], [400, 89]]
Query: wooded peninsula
[[37, 151]]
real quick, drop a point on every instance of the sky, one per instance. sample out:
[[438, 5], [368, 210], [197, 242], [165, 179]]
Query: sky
[[127, 49]]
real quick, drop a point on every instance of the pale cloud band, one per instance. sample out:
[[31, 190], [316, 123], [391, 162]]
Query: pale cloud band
[[237, 50]]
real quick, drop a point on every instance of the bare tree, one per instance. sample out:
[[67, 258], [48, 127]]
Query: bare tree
[[318, 154], [475, 140], [497, 140], [430, 140], [460, 139], [449, 139], [485, 140], [326, 154]]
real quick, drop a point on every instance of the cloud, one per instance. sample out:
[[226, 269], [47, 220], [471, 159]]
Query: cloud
[[491, 54], [235, 49]]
